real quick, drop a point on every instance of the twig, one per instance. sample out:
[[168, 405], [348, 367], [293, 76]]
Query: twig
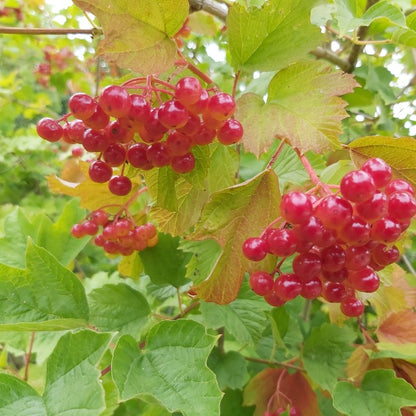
[[213, 7], [28, 355], [48, 31], [186, 311], [331, 57]]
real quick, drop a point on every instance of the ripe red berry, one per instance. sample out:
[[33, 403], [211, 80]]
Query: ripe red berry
[[255, 248], [90, 227], [281, 242], [100, 217], [231, 132], [287, 286], [307, 266], [384, 255], [261, 282], [379, 170], [100, 172], [355, 232], [311, 289], [49, 129], [137, 156], [333, 291], [172, 114], [333, 258], [75, 131], [120, 185], [273, 299], [95, 140], [188, 90], [357, 258], [402, 206], [351, 306], [98, 120], [385, 230], [221, 106], [374, 208], [115, 101], [364, 280], [184, 163], [334, 211], [296, 207], [81, 105], [158, 154], [201, 105], [399, 185], [357, 186]]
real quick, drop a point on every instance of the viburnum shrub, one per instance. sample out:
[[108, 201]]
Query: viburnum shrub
[[236, 234]]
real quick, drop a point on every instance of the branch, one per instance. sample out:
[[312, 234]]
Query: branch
[[213, 7], [43, 31], [329, 56]]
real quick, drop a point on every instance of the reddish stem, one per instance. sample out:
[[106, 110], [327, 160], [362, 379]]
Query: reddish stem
[[194, 69], [271, 225], [236, 79], [276, 154]]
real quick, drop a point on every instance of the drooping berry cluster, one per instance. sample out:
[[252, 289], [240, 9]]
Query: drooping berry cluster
[[119, 235], [340, 240], [129, 128]]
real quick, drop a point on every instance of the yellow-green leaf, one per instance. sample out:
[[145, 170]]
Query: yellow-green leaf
[[137, 33]]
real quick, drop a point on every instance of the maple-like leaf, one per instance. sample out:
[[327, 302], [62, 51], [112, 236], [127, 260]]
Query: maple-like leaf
[[137, 33], [303, 106], [230, 217], [294, 387]]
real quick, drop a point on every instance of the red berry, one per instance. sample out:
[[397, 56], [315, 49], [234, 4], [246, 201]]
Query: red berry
[[114, 155], [333, 291], [201, 105], [116, 133], [334, 211], [281, 242], [351, 306], [139, 110], [384, 255], [158, 154], [385, 230], [178, 144], [221, 106], [333, 258], [399, 185], [78, 231], [75, 131], [357, 258], [122, 227], [273, 299], [77, 151], [115, 101], [205, 135], [261, 283], [120, 185], [296, 207], [172, 114], [287, 286], [355, 232], [312, 230], [402, 206], [95, 140], [379, 170], [231, 132], [364, 280], [100, 217], [81, 105], [49, 129], [357, 186], [255, 248], [184, 163], [374, 208], [311, 289], [337, 276], [192, 126], [98, 120], [188, 90], [137, 156], [100, 172], [307, 266], [90, 227]]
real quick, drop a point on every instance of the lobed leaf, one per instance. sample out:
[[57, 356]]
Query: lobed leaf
[[171, 369], [398, 327], [137, 33], [381, 392]]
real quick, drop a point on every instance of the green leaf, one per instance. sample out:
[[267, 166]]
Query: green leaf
[[179, 209], [381, 392], [204, 255], [299, 93], [46, 296], [170, 271], [399, 153], [137, 33], [18, 398], [230, 217], [232, 404], [118, 308], [170, 369], [244, 318], [72, 379], [326, 352], [271, 37], [230, 369]]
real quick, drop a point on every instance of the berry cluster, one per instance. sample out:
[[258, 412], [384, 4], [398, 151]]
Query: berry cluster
[[340, 241], [118, 236], [127, 128]]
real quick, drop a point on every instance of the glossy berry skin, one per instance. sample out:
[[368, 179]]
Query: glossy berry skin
[[100, 172], [311, 289], [399, 185], [385, 230], [81, 105], [296, 207], [90, 227], [357, 186], [201, 105], [158, 154], [77, 151], [221, 106], [178, 144], [115, 101], [374, 208], [99, 217], [139, 109], [364, 280], [351, 306], [137, 156], [261, 282], [384, 255], [307, 266], [255, 248], [281, 242], [273, 299], [333, 291], [114, 154], [287, 286], [379, 170], [188, 90], [183, 164], [357, 258], [334, 211], [98, 120], [49, 129], [95, 140], [172, 114], [75, 131], [205, 135], [120, 185], [78, 231], [333, 258], [312, 230], [355, 232], [231, 132], [402, 206]]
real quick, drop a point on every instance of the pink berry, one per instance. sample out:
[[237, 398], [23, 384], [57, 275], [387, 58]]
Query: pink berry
[[120, 185], [351, 306], [357, 186], [231, 132], [255, 248], [287, 286], [49, 129], [379, 170], [115, 101], [261, 283], [296, 207]]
